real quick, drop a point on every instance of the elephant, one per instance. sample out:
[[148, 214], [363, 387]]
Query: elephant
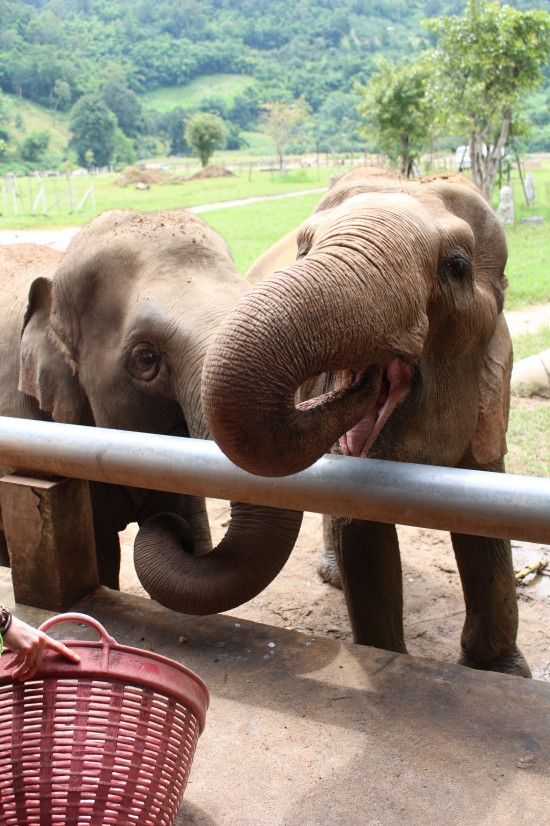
[[392, 312], [112, 333]]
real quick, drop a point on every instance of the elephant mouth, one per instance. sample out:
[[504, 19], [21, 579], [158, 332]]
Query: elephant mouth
[[394, 378], [395, 386], [180, 429]]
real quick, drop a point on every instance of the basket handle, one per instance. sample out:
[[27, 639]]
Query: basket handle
[[104, 637]]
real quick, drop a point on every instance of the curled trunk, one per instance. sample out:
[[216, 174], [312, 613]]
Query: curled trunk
[[256, 546]]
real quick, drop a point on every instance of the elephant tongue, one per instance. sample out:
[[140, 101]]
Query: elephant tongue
[[353, 442], [395, 387]]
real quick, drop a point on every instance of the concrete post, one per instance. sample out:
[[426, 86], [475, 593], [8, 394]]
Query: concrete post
[[50, 538]]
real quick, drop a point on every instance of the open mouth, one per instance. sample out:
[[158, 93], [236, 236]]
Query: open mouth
[[394, 387], [395, 378]]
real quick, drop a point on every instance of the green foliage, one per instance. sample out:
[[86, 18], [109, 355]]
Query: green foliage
[[171, 126], [483, 65], [336, 126], [205, 132], [398, 112], [235, 138], [124, 104], [123, 149], [93, 128], [21, 117], [245, 51], [245, 109], [34, 146], [61, 94], [282, 121]]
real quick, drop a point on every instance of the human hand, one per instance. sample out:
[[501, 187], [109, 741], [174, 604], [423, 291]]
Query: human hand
[[29, 644]]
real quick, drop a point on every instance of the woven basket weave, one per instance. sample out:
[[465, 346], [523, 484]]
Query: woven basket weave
[[108, 741]]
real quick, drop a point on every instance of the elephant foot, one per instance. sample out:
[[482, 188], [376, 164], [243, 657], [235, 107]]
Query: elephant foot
[[513, 663], [327, 568]]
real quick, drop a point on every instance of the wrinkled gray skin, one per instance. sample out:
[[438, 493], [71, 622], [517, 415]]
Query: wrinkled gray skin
[[393, 309], [113, 333]]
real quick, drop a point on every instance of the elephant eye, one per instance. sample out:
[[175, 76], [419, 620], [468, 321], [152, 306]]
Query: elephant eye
[[144, 362], [457, 266], [302, 251]]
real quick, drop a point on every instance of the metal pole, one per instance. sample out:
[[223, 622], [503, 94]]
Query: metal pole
[[466, 501]]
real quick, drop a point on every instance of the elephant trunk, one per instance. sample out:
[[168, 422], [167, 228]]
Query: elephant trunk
[[322, 315], [173, 553], [257, 544]]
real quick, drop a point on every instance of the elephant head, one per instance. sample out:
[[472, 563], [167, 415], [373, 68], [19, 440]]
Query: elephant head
[[393, 307], [116, 338]]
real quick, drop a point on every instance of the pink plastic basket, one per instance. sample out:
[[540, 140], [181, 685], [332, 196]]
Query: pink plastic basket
[[107, 741]]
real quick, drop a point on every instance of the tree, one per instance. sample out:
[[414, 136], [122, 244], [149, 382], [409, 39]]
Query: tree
[[61, 94], [93, 127], [336, 124], [34, 146], [205, 132], [171, 126], [398, 111], [245, 108], [235, 138], [4, 134], [125, 105], [281, 122], [484, 63], [4, 143], [123, 151]]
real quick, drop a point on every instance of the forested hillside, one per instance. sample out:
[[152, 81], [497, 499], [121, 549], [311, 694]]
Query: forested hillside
[[306, 48], [53, 52]]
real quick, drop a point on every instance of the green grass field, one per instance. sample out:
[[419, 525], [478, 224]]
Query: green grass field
[[108, 194], [528, 438], [224, 86], [251, 229], [26, 117]]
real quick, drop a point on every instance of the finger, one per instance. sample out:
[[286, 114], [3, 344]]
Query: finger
[[32, 661], [55, 645], [17, 660]]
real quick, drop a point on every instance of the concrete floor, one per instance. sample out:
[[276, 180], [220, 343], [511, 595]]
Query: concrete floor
[[312, 731]]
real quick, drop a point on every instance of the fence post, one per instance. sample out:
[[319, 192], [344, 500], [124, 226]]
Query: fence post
[[41, 197], [49, 533]]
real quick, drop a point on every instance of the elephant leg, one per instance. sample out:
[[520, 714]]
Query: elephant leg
[[488, 639], [370, 566], [327, 564], [113, 510]]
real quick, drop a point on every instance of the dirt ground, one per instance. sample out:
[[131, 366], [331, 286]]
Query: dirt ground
[[434, 607]]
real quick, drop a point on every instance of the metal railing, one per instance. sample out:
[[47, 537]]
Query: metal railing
[[466, 501]]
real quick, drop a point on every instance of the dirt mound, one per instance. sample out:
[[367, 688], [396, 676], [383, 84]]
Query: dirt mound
[[212, 171], [133, 175]]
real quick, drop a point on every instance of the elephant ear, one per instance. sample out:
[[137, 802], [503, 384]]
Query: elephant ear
[[43, 369], [489, 442]]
